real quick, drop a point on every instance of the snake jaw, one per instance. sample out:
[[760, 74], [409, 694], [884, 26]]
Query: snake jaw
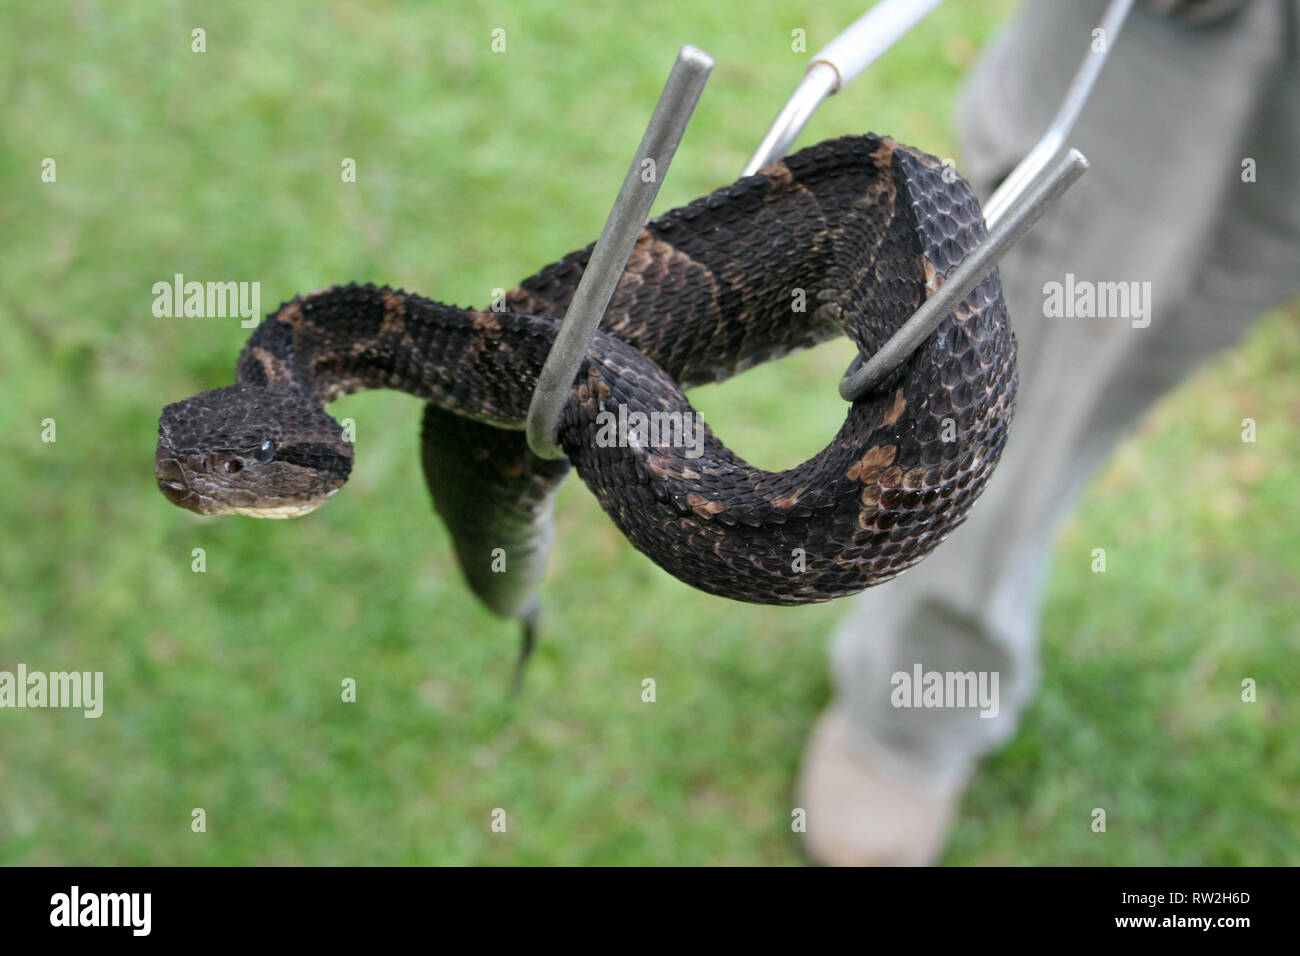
[[252, 451], [188, 482], [279, 511]]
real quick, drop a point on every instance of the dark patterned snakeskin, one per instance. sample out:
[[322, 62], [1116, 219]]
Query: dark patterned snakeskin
[[861, 228]]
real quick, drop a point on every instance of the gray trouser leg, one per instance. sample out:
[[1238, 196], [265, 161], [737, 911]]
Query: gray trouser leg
[[1176, 112]]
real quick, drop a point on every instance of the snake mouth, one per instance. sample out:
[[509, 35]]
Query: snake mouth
[[280, 509], [174, 483]]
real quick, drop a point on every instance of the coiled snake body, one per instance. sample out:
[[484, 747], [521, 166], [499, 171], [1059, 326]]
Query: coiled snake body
[[861, 229]]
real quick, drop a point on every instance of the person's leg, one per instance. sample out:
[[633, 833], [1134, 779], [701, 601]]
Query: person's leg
[[1174, 114]]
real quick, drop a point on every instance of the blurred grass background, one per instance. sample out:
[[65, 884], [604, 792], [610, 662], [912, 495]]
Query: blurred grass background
[[474, 169]]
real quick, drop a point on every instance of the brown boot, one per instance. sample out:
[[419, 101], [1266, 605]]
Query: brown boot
[[860, 814]]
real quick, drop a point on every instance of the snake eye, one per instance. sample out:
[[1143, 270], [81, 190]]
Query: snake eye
[[266, 450], [233, 466]]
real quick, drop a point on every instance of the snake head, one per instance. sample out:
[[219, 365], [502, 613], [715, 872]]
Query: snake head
[[245, 450]]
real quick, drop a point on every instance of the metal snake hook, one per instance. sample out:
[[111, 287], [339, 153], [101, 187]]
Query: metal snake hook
[[614, 247], [861, 379], [1015, 206]]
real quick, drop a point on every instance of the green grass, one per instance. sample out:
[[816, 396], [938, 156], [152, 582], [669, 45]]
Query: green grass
[[223, 688]]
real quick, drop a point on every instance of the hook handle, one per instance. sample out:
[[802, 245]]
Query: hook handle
[[834, 67]]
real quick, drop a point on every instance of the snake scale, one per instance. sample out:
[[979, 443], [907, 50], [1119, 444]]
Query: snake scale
[[861, 229]]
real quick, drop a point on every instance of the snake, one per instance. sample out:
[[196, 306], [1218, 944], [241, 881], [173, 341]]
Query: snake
[[849, 236]]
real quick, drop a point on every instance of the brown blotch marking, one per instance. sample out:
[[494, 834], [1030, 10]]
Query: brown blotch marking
[[643, 251], [651, 260], [394, 307], [963, 311], [521, 300], [790, 500], [778, 172], [870, 464], [703, 506], [629, 283], [895, 413], [914, 479], [596, 384], [784, 184], [487, 323], [394, 325], [392, 328], [291, 313], [932, 278], [338, 389], [884, 153], [669, 469], [883, 187], [881, 195], [277, 372]]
